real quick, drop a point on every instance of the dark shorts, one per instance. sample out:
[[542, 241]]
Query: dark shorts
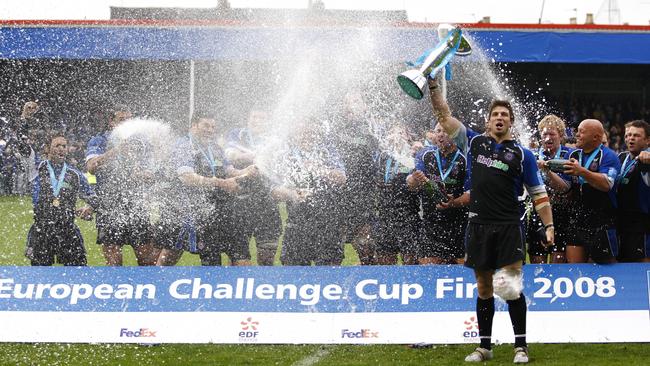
[[358, 210], [204, 226], [49, 244], [123, 230], [208, 239], [398, 227], [313, 234], [169, 229], [219, 236], [258, 217], [633, 245], [493, 246], [398, 232], [444, 235], [600, 243]]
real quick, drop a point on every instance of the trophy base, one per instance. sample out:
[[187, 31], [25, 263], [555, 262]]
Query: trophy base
[[413, 83]]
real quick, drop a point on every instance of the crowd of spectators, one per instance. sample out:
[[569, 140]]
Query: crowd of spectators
[[22, 139], [613, 115]]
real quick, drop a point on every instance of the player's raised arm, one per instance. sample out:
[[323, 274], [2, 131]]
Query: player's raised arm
[[441, 109]]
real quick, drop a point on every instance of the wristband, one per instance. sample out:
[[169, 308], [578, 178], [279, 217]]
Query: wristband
[[549, 225]]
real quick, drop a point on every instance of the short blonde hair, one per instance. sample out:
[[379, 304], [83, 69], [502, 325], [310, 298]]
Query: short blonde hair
[[553, 121]]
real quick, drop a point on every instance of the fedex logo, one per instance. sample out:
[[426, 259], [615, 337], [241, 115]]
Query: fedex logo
[[363, 333], [142, 332]]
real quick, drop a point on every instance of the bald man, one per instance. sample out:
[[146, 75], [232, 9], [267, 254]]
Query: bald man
[[589, 176]]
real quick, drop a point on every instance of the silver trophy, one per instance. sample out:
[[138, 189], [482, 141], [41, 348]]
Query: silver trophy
[[433, 60]]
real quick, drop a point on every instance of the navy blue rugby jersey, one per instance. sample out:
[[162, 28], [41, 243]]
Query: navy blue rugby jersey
[[190, 156], [98, 145], [596, 207], [394, 194], [633, 192], [452, 166], [116, 179], [559, 200], [59, 209], [358, 150], [303, 166], [497, 174]]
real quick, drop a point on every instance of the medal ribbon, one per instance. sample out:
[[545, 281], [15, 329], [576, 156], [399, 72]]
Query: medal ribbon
[[57, 184], [590, 159], [391, 170], [445, 174], [626, 168], [188, 231]]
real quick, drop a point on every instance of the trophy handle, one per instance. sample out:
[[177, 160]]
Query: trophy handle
[[464, 48]]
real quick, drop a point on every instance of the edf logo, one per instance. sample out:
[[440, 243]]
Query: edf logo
[[249, 328], [140, 333], [471, 328]]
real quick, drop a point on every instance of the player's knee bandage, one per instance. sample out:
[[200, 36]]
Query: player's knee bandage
[[508, 283]]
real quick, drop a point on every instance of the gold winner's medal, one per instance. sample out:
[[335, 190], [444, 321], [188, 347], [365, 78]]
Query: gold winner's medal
[[56, 202]]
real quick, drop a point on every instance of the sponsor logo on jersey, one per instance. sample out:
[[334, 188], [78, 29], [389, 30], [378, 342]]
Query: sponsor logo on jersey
[[492, 163]]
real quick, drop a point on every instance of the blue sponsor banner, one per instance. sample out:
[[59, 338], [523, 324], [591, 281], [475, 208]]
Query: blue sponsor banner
[[268, 43], [312, 289]]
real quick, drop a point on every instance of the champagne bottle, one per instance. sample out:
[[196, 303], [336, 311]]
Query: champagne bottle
[[428, 188], [434, 192], [556, 165]]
